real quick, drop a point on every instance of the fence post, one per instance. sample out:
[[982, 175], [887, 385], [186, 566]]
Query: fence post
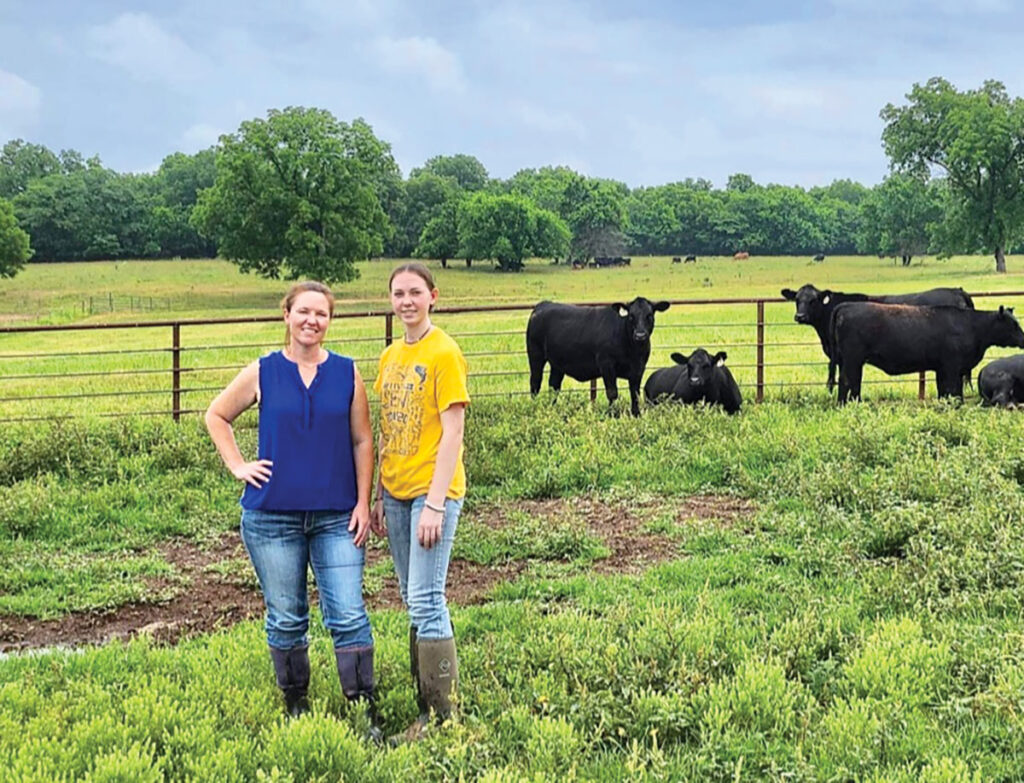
[[760, 350], [389, 326], [176, 371], [110, 299], [920, 386]]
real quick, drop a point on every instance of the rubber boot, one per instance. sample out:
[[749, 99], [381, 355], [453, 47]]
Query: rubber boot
[[438, 667], [291, 668], [355, 672]]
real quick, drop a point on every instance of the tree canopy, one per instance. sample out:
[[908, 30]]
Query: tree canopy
[[299, 194], [14, 242], [508, 228], [975, 139]]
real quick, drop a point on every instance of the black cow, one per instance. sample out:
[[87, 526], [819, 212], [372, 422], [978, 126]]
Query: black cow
[[602, 261], [676, 260], [592, 342], [1002, 382], [695, 378], [691, 259], [898, 339], [815, 308], [819, 257]]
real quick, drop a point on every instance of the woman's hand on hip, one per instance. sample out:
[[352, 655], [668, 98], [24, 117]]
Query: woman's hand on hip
[[256, 473], [428, 531], [360, 523]]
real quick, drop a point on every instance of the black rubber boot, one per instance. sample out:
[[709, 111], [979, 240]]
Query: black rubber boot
[[355, 671], [292, 670]]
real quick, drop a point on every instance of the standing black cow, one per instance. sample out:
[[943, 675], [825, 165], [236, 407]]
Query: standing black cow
[[815, 308], [695, 378], [592, 342], [690, 259], [898, 339], [819, 257], [1002, 382]]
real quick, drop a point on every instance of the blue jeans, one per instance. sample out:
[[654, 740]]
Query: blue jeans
[[280, 544], [422, 573]]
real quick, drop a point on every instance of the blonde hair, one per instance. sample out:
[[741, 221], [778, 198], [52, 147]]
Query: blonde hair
[[301, 288]]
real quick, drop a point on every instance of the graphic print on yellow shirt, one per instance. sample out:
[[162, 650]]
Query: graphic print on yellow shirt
[[401, 404], [416, 383]]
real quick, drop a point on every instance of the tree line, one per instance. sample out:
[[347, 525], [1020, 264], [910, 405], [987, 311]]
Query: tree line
[[300, 193]]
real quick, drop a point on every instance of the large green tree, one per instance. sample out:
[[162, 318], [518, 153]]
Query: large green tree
[[466, 171], [509, 228], [899, 217], [976, 139], [425, 196], [299, 194], [21, 162], [14, 242]]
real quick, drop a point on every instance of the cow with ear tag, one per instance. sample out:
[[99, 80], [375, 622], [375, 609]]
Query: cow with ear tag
[[699, 377], [815, 307], [607, 342]]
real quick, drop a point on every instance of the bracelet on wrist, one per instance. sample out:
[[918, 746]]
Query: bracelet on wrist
[[432, 507]]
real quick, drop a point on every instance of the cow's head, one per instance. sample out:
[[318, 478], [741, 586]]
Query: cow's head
[[1008, 332], [1000, 386], [810, 303], [700, 366], [639, 316]]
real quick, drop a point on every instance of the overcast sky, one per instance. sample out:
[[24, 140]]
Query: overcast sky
[[645, 92]]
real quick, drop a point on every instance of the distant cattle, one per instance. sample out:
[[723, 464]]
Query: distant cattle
[[900, 339], [579, 263], [691, 259], [815, 308], [743, 255], [699, 377], [1002, 382], [602, 261], [608, 342], [820, 257], [677, 260]]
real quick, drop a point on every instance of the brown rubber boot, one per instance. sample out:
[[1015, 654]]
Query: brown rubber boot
[[438, 678]]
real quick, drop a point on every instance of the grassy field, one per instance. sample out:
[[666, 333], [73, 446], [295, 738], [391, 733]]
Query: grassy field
[[93, 363], [862, 621]]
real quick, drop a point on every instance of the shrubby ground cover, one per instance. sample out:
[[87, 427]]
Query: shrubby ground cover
[[863, 624]]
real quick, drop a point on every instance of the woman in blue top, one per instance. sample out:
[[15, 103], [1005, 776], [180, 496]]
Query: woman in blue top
[[306, 498]]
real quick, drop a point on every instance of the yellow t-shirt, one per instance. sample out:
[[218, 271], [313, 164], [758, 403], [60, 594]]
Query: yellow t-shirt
[[416, 383]]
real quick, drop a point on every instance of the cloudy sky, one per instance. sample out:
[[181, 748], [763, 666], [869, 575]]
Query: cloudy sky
[[645, 92]]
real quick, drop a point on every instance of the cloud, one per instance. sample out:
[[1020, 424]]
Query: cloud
[[19, 104], [546, 121], [199, 136], [424, 57], [137, 43]]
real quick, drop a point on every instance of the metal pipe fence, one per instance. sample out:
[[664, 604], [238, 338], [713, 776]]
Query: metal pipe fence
[[756, 345]]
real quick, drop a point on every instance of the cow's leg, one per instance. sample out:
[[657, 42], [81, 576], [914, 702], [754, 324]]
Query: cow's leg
[[536, 370], [611, 388], [854, 375], [555, 380], [949, 383], [831, 375], [634, 394]]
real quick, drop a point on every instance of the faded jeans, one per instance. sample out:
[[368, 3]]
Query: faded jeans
[[422, 573], [280, 545]]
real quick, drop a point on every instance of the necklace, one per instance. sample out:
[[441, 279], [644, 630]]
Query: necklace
[[413, 342]]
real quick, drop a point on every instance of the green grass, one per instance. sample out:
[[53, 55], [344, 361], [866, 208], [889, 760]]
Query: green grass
[[91, 363]]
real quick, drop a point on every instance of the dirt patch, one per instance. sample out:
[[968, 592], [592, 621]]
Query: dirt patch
[[222, 592]]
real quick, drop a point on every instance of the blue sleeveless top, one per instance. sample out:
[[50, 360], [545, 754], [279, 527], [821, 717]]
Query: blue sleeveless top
[[306, 434]]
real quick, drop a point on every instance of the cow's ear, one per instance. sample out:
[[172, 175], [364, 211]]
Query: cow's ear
[[620, 308], [1001, 309], [678, 358], [661, 306], [720, 358], [788, 293]]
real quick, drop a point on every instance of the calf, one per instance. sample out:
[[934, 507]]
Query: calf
[[1002, 382], [607, 342], [898, 339], [695, 378], [815, 308]]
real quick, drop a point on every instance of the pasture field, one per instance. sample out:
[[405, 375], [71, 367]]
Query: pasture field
[[800, 592], [860, 620], [92, 364]]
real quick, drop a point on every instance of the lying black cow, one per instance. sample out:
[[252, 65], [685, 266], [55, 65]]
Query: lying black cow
[[602, 261], [584, 343], [699, 377], [676, 260], [898, 339], [815, 308], [1002, 382], [819, 257]]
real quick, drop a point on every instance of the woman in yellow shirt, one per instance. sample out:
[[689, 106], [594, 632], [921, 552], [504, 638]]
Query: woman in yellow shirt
[[422, 482]]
